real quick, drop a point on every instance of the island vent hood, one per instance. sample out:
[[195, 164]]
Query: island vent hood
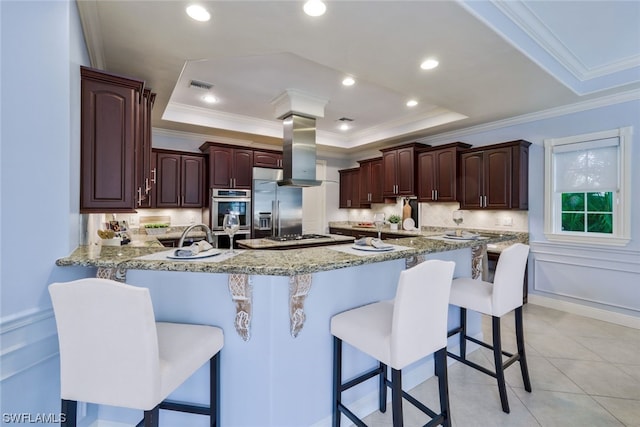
[[298, 112]]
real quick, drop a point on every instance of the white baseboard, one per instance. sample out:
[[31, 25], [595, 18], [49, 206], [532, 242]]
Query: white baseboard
[[586, 311]]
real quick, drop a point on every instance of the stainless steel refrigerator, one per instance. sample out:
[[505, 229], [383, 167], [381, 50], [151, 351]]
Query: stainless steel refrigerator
[[277, 210]]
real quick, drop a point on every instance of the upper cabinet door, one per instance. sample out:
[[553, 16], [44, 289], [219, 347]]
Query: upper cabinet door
[[446, 174], [267, 159], [229, 167], [168, 193], [496, 176], [399, 169], [405, 172], [427, 176], [242, 171], [371, 180], [472, 183], [109, 112], [220, 165], [389, 167], [180, 180], [376, 181], [192, 181]]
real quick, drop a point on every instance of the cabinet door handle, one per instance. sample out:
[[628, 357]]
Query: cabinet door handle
[[436, 191], [481, 201], [485, 201], [139, 196], [147, 187], [153, 179]]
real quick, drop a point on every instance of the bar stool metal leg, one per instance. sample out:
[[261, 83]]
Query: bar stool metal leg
[[337, 380], [214, 390], [497, 358], [396, 396], [382, 385], [69, 409], [440, 361], [463, 332], [520, 343]]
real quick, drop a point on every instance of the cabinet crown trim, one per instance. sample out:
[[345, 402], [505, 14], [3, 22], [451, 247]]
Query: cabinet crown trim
[[518, 142]]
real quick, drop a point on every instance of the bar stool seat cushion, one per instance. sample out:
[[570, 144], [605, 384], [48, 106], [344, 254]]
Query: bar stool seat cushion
[[368, 329], [183, 350], [472, 294]]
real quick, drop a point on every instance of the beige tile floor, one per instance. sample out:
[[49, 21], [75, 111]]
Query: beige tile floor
[[584, 373]]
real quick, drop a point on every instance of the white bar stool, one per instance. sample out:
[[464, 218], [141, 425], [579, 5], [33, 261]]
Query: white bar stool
[[398, 333], [112, 351], [495, 299]]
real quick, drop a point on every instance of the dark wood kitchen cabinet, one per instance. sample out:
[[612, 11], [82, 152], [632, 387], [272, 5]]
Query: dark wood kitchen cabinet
[[438, 173], [180, 182], [495, 176], [267, 159], [399, 170], [109, 133], [145, 172], [229, 166], [371, 181], [349, 188]]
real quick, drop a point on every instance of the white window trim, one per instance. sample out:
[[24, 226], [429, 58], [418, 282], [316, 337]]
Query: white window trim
[[622, 220]]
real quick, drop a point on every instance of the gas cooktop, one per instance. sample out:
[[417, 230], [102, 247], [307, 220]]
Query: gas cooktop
[[293, 237]]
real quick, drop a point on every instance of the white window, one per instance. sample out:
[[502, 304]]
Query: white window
[[588, 188]]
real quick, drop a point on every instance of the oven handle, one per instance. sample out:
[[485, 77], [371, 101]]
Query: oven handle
[[232, 199]]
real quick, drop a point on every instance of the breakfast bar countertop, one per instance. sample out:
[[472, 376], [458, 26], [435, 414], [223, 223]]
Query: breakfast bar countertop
[[326, 239], [264, 262]]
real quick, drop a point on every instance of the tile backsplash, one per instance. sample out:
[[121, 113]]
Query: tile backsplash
[[441, 215]]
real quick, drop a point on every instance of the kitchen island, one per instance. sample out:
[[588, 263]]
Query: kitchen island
[[275, 307]]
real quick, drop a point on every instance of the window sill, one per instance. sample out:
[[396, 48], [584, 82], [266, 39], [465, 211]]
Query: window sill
[[588, 240]]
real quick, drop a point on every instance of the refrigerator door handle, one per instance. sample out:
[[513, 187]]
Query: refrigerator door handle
[[274, 218]]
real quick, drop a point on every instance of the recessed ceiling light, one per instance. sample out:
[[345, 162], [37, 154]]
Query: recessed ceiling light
[[412, 103], [198, 13], [429, 64], [210, 99], [315, 8], [348, 81], [344, 126]]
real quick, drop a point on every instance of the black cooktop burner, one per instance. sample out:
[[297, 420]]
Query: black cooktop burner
[[291, 237]]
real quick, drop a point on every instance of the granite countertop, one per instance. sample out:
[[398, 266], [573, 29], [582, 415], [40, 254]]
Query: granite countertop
[[330, 239], [264, 262]]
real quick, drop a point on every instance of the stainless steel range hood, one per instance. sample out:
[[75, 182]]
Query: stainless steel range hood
[[299, 152]]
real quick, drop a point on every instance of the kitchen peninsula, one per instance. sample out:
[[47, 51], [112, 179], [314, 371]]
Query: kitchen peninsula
[[275, 307]]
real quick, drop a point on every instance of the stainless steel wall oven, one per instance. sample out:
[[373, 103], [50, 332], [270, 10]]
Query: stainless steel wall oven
[[228, 200]]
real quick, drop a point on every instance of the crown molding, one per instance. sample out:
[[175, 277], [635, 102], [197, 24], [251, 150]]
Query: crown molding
[[605, 101], [529, 22], [88, 10]]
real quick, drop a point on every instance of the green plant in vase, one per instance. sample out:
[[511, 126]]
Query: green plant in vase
[[394, 220]]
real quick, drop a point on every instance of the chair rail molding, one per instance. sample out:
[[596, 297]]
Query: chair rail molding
[[26, 340]]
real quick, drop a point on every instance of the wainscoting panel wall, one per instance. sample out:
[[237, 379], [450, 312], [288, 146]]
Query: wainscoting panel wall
[[607, 277]]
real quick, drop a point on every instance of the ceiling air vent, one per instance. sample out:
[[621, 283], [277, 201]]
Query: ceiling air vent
[[200, 85]]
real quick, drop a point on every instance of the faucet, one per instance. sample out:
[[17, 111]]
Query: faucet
[[191, 227]]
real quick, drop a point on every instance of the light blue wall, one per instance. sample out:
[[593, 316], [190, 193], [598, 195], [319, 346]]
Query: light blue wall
[[42, 48]]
